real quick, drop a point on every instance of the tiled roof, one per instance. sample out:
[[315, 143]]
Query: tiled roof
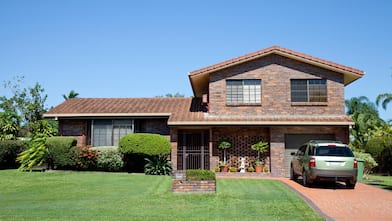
[[180, 111], [175, 108], [278, 50]]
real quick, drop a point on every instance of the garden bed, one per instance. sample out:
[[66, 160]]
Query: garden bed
[[196, 181]]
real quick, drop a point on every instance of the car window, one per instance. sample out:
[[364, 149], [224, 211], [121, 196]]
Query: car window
[[311, 150], [301, 150], [334, 151]]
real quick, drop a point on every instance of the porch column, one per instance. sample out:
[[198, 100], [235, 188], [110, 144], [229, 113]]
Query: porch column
[[174, 148], [277, 151]]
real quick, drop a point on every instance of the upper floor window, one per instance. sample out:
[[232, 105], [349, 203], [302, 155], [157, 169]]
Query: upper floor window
[[243, 92], [314, 90]]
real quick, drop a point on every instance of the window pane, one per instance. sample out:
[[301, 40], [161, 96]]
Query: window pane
[[243, 91], [317, 91], [299, 91], [314, 90], [102, 133]]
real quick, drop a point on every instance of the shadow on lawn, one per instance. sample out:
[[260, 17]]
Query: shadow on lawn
[[379, 184]]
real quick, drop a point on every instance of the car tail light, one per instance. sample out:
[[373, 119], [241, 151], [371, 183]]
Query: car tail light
[[312, 162], [355, 164]]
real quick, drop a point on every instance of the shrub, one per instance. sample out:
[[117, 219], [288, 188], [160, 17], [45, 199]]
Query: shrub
[[200, 175], [381, 149], [85, 158], [34, 156], [9, 150], [110, 159], [251, 169], [368, 164], [59, 153], [233, 169], [217, 169], [158, 165], [145, 144], [375, 146]]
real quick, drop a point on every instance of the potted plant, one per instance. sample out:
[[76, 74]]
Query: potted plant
[[261, 147], [224, 144], [223, 166]]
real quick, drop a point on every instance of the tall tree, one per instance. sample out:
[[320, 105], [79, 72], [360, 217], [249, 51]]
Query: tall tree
[[366, 118], [72, 94], [384, 100], [26, 103]]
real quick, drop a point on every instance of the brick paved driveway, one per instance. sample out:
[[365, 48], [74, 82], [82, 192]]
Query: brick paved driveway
[[337, 203]]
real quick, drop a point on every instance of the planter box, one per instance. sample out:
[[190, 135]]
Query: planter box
[[188, 186]]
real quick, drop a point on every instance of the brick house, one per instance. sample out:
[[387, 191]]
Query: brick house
[[275, 94]]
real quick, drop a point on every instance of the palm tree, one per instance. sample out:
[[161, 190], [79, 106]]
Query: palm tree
[[366, 118], [72, 94], [384, 99]]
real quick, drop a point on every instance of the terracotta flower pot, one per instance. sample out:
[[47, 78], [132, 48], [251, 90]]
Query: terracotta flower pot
[[224, 168], [258, 168]]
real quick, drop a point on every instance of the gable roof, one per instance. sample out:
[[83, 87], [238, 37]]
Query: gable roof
[[199, 78]]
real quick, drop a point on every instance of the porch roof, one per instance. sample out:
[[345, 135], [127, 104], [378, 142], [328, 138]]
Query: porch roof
[[179, 111]]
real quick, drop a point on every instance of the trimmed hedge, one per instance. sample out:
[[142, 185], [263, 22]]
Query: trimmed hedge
[[200, 175], [9, 150], [145, 144], [59, 153]]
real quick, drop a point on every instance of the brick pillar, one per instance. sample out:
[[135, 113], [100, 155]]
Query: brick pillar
[[174, 148], [277, 152]]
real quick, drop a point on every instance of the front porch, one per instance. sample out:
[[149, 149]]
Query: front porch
[[198, 148]]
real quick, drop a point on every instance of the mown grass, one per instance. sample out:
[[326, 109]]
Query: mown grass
[[384, 182], [110, 196]]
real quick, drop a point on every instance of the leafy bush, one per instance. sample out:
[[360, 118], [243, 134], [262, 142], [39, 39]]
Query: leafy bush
[[381, 149], [251, 169], [368, 164], [59, 153], [34, 156], [145, 144], [158, 165], [85, 158], [375, 146], [200, 175], [233, 169], [109, 159], [9, 150]]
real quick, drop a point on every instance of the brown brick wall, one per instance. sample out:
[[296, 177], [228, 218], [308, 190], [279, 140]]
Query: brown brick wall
[[185, 186], [275, 72], [75, 128]]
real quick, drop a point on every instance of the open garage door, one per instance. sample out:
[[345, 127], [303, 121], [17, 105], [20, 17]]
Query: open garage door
[[294, 141]]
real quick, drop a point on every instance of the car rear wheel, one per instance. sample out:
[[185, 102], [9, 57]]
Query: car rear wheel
[[350, 185]]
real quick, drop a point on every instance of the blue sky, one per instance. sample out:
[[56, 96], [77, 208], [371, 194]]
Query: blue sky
[[147, 48]]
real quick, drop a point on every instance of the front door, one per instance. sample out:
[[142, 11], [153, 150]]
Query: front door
[[193, 150]]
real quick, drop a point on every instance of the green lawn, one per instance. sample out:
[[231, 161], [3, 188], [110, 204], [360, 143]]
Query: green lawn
[[384, 182], [109, 196]]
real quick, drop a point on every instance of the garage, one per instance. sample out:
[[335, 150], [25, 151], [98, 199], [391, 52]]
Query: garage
[[294, 141]]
